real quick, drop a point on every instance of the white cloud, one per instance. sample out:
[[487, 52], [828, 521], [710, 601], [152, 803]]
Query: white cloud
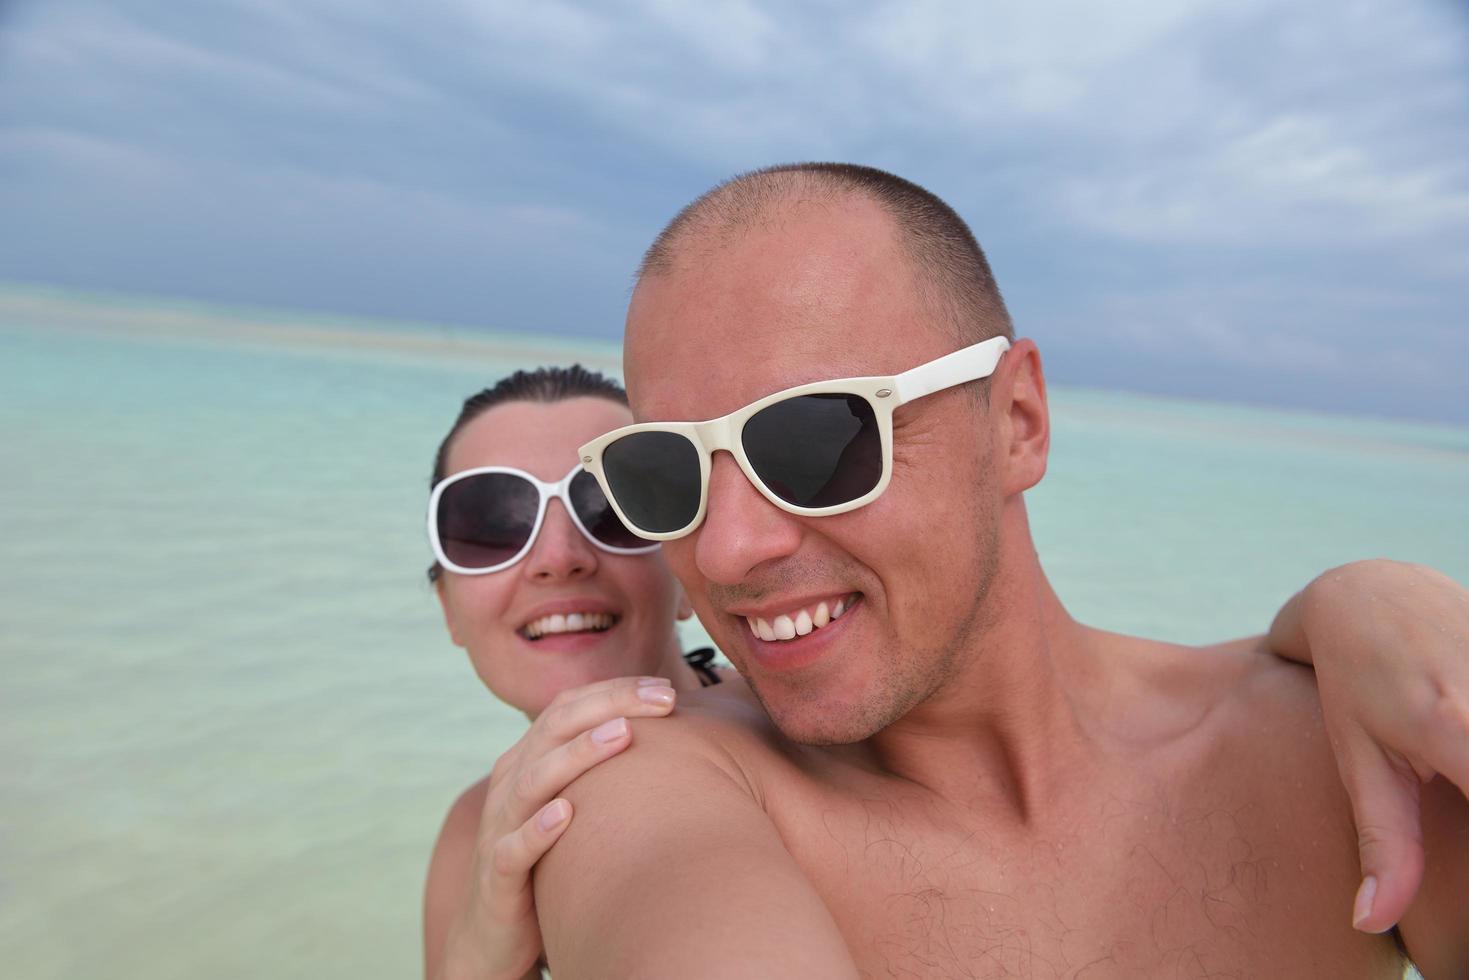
[[1320, 150], [82, 154], [1004, 60], [1208, 335], [734, 36], [1119, 123], [1293, 180]]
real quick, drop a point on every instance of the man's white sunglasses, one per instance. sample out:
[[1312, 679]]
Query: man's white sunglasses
[[815, 449]]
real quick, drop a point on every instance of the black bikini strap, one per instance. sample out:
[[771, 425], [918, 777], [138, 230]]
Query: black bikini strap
[[702, 662]]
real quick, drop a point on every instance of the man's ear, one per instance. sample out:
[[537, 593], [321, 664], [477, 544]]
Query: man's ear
[[1018, 397], [685, 608], [449, 620]]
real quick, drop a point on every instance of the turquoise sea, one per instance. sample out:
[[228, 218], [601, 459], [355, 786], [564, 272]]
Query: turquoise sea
[[230, 719]]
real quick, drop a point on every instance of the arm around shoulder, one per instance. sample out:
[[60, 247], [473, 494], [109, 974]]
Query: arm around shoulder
[[672, 869]]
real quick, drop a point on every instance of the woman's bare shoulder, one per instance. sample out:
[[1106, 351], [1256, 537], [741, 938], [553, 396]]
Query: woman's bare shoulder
[[457, 835], [449, 868]]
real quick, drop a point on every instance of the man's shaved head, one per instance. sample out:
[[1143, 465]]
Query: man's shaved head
[[950, 268], [793, 275]]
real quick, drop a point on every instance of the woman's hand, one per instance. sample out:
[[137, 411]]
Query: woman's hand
[[1390, 642], [495, 934]]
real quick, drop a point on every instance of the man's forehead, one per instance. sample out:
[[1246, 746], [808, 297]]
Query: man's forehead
[[798, 302], [680, 388], [702, 370]]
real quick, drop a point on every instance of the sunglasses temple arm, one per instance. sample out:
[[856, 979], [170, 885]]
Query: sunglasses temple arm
[[969, 364]]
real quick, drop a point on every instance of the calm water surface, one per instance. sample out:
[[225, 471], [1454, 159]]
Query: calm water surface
[[231, 720]]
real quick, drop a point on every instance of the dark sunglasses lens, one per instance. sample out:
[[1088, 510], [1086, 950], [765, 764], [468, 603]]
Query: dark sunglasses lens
[[815, 450], [597, 515], [654, 477], [484, 520]]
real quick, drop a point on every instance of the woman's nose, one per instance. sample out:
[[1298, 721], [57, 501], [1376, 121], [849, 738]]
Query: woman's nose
[[561, 551]]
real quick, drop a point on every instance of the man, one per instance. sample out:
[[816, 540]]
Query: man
[[951, 777]]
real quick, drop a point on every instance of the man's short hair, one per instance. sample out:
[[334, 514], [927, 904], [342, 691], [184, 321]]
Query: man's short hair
[[950, 267]]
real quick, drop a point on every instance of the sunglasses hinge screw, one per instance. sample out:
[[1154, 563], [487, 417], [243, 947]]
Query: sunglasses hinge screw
[[884, 392]]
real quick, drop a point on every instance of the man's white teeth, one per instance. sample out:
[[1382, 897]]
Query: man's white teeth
[[803, 621], [569, 623]]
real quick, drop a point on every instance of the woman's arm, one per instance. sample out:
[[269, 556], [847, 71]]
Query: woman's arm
[[479, 909], [449, 873], [1390, 644]]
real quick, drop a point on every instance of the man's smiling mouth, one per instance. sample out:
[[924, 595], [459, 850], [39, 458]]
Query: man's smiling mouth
[[577, 622], [799, 622]]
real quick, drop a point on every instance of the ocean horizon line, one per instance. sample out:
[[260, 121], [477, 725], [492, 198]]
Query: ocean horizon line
[[146, 315], [126, 315]]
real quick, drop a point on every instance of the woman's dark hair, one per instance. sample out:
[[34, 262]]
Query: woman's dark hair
[[546, 384]]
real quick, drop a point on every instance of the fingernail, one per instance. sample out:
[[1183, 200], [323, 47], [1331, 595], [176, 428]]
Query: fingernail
[[610, 731], [650, 681], [553, 814], [656, 695], [1363, 906]]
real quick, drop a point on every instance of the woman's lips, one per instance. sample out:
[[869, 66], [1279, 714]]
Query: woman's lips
[[571, 622], [570, 641]]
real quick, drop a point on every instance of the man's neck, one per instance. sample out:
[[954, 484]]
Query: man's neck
[[676, 669], [1003, 730]]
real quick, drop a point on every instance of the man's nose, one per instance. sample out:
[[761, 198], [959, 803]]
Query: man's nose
[[741, 528], [561, 552]]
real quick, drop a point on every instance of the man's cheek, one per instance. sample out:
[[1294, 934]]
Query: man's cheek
[[680, 557]]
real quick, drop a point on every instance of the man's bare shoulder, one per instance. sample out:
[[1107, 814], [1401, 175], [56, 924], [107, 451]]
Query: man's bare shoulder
[[1267, 693], [718, 734], [1257, 707], [1233, 726], [1268, 727], [1194, 690], [674, 829], [1226, 744]]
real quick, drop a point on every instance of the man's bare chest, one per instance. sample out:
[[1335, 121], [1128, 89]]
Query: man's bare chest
[[1136, 887]]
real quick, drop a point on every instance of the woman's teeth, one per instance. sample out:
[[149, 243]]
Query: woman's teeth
[[583, 622], [799, 622]]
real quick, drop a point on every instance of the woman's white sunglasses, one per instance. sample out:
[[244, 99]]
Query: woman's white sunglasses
[[487, 519], [815, 449]]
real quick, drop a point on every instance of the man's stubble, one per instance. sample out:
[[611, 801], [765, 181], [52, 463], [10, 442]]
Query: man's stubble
[[905, 678]]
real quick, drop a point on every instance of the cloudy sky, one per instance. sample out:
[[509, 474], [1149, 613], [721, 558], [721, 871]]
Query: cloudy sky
[[1241, 199]]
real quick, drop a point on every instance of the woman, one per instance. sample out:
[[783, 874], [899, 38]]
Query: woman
[[565, 616], [568, 617]]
